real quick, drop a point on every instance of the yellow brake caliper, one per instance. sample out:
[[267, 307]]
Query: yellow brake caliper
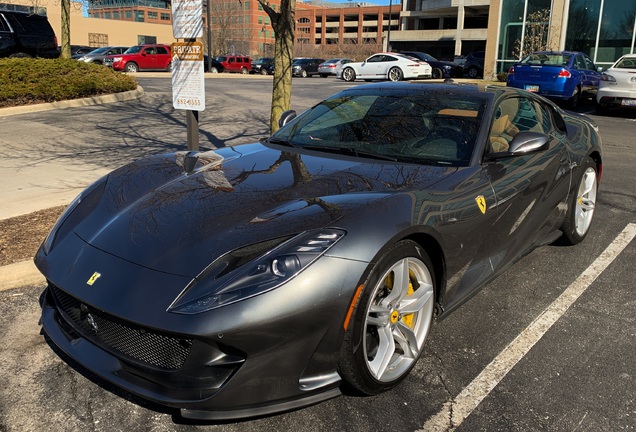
[[408, 319]]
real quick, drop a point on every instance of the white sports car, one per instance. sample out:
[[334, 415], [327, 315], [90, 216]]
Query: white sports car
[[386, 66]]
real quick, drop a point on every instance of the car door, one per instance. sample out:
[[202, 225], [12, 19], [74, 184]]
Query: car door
[[373, 67], [146, 58], [162, 58], [531, 189], [6, 37]]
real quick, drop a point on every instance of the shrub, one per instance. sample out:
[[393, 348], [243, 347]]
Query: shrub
[[502, 76], [25, 81]]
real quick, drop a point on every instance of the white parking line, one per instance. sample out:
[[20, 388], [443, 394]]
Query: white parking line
[[457, 410]]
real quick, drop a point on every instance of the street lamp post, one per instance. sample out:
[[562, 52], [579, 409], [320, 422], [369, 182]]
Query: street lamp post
[[388, 33]]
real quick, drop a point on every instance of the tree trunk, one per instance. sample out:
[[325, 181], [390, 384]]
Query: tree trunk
[[283, 24], [66, 29]]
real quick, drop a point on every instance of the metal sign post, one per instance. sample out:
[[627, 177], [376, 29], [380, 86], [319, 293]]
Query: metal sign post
[[188, 84]]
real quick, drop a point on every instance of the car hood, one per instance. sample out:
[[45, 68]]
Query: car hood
[[154, 214]]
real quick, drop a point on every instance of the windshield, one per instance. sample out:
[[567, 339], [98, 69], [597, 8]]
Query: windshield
[[547, 59], [99, 50], [133, 49], [438, 129]]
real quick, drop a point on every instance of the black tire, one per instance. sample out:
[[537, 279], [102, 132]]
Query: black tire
[[244, 71], [324, 75], [20, 55], [472, 72], [580, 213], [437, 73], [214, 70], [573, 102], [395, 74], [263, 71], [131, 67], [348, 74], [401, 289]]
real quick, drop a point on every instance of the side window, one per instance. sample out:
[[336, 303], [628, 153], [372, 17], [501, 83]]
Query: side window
[[4, 27], [162, 50], [502, 129], [230, 60], [580, 62], [543, 115], [589, 64]]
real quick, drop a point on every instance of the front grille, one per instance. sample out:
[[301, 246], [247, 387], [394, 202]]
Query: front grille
[[120, 337]]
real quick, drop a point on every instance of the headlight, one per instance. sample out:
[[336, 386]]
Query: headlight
[[230, 279], [89, 199], [117, 59], [448, 67]]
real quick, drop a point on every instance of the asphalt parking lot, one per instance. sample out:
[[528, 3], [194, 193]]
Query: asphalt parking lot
[[547, 346]]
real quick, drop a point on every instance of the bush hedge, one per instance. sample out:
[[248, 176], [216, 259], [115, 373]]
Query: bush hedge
[[25, 81]]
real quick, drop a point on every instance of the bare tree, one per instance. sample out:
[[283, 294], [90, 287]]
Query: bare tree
[[283, 24], [536, 35]]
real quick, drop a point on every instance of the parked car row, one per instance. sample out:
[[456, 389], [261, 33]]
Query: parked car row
[[569, 76]]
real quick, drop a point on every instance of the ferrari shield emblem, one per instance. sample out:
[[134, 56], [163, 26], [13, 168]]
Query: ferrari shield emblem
[[481, 203], [93, 278]]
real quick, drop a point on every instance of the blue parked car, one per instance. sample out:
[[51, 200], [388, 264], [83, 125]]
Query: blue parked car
[[562, 75]]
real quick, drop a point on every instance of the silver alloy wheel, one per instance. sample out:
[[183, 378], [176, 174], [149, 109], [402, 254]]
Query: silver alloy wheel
[[348, 74], [214, 70], [585, 201], [395, 74], [398, 319]]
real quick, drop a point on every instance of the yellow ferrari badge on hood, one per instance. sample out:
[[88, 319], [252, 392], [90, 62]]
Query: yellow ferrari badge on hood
[[481, 203], [93, 278]]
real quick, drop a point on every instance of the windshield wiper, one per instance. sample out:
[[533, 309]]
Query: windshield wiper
[[279, 141], [351, 151]]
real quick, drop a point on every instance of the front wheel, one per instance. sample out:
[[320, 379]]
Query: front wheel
[[348, 74], [437, 73], [581, 206], [263, 71], [391, 320], [472, 72], [395, 74], [214, 70], [303, 73], [131, 67]]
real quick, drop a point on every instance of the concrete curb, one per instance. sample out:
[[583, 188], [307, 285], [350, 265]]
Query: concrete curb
[[93, 100], [20, 274]]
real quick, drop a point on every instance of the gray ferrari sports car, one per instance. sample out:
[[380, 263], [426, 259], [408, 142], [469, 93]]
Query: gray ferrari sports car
[[264, 277]]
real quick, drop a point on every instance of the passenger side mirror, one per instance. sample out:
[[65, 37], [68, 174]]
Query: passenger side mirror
[[286, 117]]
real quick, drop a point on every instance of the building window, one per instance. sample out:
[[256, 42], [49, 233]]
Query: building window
[[247, 5], [152, 15], [142, 39], [267, 20], [260, 7], [260, 20], [304, 21], [97, 39], [128, 14], [115, 15], [165, 16], [139, 16]]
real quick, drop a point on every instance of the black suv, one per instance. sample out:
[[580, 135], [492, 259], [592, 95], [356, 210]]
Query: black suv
[[26, 35], [474, 64]]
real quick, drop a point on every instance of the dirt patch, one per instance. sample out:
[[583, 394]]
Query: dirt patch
[[21, 236]]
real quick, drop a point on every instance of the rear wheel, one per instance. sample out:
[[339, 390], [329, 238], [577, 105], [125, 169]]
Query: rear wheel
[[214, 70], [581, 207], [395, 74], [390, 321], [573, 102], [19, 55], [244, 71], [348, 74], [131, 67]]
